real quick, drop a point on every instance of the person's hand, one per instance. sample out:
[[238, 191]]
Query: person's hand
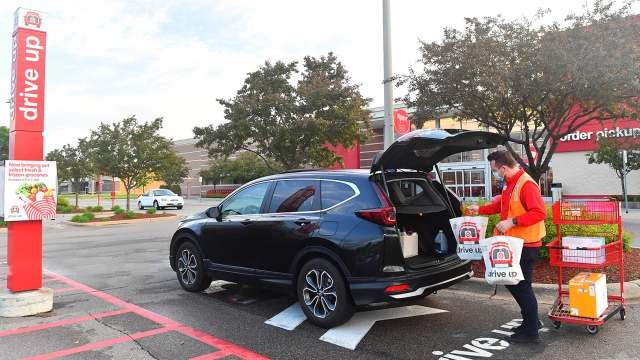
[[504, 225], [473, 209]]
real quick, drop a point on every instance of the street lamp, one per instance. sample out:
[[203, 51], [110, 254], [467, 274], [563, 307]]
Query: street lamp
[[189, 187]]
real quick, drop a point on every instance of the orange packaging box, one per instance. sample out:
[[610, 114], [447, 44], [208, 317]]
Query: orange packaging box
[[588, 295]]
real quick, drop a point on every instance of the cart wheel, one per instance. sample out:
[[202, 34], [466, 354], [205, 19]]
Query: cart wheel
[[623, 314], [557, 324], [592, 329]]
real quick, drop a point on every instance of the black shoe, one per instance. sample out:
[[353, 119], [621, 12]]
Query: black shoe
[[523, 338], [518, 329]]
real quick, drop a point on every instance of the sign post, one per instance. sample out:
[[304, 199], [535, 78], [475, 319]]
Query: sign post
[[26, 124], [26, 119]]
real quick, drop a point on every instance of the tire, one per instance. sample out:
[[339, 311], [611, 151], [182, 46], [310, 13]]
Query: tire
[[179, 207], [140, 205], [157, 206], [592, 329], [190, 269], [326, 305], [557, 324], [623, 314]]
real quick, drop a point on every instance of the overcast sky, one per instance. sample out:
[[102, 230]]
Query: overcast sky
[[108, 60]]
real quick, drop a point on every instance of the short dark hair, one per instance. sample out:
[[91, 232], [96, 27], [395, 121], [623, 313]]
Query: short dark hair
[[502, 158]]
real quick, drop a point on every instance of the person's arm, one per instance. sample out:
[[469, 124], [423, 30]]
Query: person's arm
[[490, 209], [534, 205]]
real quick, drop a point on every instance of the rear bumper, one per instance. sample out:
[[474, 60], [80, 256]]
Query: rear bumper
[[367, 291]]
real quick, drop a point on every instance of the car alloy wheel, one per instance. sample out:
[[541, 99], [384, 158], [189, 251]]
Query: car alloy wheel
[[323, 294], [156, 205], [140, 205], [189, 268]]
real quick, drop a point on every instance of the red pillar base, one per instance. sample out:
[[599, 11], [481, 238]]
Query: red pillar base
[[24, 255]]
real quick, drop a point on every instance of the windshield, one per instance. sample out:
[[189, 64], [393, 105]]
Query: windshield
[[163, 192]]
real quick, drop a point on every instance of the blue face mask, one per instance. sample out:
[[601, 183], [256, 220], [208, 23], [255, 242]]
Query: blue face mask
[[497, 176]]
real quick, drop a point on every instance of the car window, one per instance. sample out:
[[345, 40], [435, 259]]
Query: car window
[[163, 192], [293, 196], [333, 193], [247, 201], [411, 188]]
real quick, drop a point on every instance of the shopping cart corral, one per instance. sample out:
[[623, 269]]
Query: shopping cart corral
[[586, 211]]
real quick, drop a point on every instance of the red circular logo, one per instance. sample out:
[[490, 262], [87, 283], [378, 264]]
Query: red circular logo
[[401, 121]]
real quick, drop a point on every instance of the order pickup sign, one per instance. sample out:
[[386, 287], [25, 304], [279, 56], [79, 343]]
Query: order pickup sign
[[27, 190]]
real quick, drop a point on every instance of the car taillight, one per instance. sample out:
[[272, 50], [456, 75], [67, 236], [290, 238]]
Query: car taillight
[[395, 288], [386, 215]]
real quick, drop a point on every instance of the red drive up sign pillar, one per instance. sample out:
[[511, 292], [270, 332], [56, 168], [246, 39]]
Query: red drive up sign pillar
[[26, 118]]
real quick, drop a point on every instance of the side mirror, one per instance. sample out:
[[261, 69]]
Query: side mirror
[[212, 212]]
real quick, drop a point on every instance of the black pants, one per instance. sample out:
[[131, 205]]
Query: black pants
[[523, 292]]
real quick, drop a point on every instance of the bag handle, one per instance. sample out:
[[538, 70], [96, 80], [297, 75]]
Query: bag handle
[[466, 212]]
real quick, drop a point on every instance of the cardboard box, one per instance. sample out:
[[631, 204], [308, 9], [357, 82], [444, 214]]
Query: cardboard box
[[588, 295], [583, 256], [409, 244]]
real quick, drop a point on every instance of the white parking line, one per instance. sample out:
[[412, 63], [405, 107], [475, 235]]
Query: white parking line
[[350, 334], [289, 319]]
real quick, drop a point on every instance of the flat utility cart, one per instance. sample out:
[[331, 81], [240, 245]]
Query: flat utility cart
[[586, 211]]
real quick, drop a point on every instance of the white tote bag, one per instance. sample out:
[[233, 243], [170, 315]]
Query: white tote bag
[[469, 230], [502, 259]]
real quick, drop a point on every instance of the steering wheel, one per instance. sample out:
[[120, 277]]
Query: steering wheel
[[231, 212], [250, 209]]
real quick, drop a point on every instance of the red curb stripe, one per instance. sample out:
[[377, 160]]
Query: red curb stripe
[[62, 322], [100, 344], [225, 347]]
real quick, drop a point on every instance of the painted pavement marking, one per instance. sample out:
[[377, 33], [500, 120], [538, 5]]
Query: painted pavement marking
[[289, 319]]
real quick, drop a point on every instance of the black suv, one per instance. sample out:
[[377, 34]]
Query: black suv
[[332, 238]]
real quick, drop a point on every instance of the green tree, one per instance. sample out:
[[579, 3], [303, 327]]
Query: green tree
[[174, 170], [248, 166], [609, 151], [4, 143], [72, 164], [130, 151], [548, 80], [218, 170], [289, 123]]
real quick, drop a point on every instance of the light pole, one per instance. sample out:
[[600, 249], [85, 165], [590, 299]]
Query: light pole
[[188, 187], [624, 179], [388, 132]]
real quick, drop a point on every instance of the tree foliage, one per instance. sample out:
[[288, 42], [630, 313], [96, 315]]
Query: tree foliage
[[130, 151], [248, 166], [72, 164], [609, 151], [174, 170], [217, 171], [4, 143], [548, 80], [289, 123]]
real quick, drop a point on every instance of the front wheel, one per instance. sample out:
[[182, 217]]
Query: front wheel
[[592, 329], [179, 207], [157, 206], [190, 269], [140, 205], [323, 294]]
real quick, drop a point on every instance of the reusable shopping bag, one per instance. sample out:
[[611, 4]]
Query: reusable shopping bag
[[469, 230], [502, 259]]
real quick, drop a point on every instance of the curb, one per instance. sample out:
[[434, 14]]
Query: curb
[[118, 222], [550, 291]]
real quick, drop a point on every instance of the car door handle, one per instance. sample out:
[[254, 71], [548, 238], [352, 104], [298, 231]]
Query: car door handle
[[301, 222], [246, 222]]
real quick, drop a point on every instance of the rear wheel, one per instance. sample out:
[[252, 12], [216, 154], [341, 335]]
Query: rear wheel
[[592, 329], [190, 269], [323, 294]]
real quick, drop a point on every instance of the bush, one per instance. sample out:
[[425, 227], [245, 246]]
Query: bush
[[105, 219], [118, 211], [98, 208], [151, 211], [116, 207], [67, 210], [89, 208], [174, 188], [3, 223], [219, 196], [59, 207], [164, 212], [130, 215], [79, 219], [62, 201], [89, 215]]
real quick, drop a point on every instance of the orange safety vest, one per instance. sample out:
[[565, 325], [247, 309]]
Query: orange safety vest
[[529, 234]]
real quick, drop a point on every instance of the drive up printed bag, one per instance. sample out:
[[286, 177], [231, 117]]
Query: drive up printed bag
[[469, 230], [502, 259]]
